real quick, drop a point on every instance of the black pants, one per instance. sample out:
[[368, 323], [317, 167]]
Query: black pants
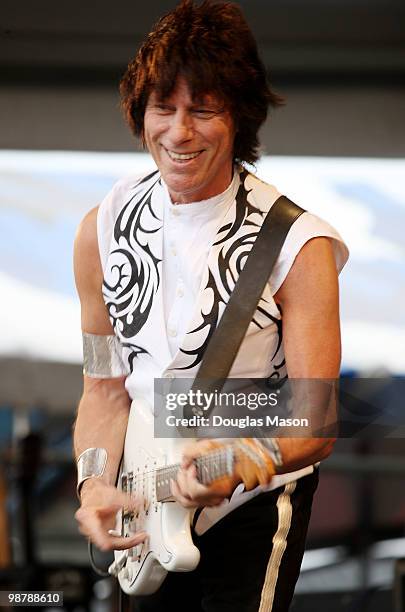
[[250, 559]]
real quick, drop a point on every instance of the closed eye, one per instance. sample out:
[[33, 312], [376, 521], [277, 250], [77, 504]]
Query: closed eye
[[206, 113], [164, 108]]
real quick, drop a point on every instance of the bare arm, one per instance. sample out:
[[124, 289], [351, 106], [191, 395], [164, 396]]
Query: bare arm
[[104, 407], [309, 299]]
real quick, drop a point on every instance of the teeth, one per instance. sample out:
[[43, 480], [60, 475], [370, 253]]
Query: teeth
[[174, 155]]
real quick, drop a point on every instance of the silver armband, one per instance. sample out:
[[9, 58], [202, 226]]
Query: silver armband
[[91, 463], [272, 447], [102, 356]]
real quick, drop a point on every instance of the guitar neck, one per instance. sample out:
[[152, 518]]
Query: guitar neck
[[210, 467]]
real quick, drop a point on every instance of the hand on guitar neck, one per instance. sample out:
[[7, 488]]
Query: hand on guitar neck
[[251, 465]]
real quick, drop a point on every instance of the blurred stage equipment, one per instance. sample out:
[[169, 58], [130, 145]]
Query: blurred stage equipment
[[399, 586]]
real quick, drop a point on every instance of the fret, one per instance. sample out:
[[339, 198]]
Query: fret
[[163, 477]]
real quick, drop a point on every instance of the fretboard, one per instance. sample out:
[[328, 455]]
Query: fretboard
[[212, 466]]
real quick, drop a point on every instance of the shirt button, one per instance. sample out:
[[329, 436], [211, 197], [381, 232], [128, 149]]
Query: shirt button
[[174, 251], [169, 375], [172, 332], [180, 292], [175, 212]]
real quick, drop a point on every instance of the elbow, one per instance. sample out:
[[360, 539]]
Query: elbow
[[111, 390], [327, 448]]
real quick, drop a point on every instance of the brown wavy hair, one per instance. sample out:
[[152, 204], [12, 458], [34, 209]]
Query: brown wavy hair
[[212, 47]]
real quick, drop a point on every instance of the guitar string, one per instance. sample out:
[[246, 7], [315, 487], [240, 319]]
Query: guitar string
[[217, 454], [217, 462]]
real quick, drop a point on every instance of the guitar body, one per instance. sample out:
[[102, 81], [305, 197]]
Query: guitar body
[[169, 547]]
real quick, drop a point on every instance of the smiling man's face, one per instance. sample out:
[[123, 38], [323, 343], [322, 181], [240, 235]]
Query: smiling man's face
[[191, 142]]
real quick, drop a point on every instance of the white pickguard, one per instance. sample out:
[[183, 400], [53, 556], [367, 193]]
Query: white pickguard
[[142, 569]]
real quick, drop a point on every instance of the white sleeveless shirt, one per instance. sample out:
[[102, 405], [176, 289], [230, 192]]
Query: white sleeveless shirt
[[168, 272]]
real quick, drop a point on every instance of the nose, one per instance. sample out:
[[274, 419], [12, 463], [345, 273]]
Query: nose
[[181, 127]]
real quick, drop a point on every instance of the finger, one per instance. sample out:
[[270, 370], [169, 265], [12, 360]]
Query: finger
[[120, 543], [104, 541], [83, 530], [108, 511], [129, 505], [199, 493], [85, 518], [189, 487], [186, 461], [96, 522], [177, 490], [112, 495], [132, 502], [191, 471], [191, 484], [190, 452], [203, 497], [79, 514], [196, 449], [182, 483], [184, 500], [114, 532], [91, 526]]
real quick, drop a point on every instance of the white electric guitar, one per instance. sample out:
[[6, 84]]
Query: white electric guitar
[[148, 465]]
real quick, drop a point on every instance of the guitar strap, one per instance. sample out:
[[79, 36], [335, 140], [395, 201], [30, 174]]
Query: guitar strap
[[227, 337]]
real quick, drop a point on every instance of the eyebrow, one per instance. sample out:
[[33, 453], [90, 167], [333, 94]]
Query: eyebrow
[[215, 106], [202, 100]]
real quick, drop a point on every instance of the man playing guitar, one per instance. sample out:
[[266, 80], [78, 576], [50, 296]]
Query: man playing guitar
[[155, 265]]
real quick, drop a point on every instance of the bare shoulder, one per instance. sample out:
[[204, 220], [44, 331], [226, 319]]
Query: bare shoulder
[[309, 300], [89, 276], [86, 243], [87, 265], [312, 274]]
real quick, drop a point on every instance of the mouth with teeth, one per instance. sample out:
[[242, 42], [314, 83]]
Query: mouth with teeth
[[182, 157]]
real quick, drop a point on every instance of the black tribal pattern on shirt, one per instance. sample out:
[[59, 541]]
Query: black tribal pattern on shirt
[[221, 279], [133, 269], [134, 273]]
